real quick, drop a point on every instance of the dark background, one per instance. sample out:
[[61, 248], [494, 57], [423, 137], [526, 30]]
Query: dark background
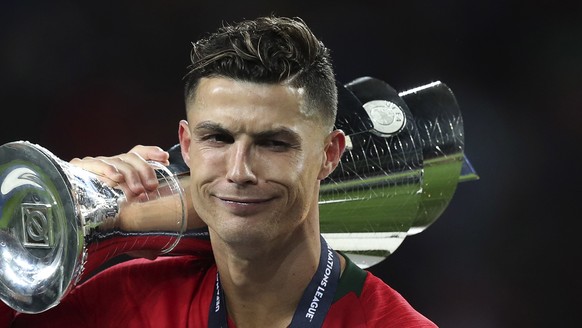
[[96, 78]]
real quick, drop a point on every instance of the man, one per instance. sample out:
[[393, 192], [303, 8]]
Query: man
[[259, 137]]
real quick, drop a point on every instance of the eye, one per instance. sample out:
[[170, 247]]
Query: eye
[[222, 138], [276, 145]]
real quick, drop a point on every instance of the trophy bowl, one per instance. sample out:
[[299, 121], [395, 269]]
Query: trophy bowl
[[404, 158]]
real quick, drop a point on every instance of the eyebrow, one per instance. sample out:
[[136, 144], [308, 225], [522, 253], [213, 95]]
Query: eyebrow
[[208, 125], [277, 132]]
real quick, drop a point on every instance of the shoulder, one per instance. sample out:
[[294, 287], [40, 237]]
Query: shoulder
[[364, 300], [383, 303]]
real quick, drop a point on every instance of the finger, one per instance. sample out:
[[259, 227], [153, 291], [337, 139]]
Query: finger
[[137, 175], [107, 172], [129, 170], [153, 153], [135, 164]]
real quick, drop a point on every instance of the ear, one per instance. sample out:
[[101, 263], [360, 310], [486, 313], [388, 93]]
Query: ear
[[333, 151], [185, 139]]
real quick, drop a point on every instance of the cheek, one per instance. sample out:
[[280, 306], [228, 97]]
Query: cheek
[[298, 174], [203, 172], [205, 168], [287, 169], [205, 161]]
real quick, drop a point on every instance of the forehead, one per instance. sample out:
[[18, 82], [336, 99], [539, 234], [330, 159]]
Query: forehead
[[240, 102], [215, 89]]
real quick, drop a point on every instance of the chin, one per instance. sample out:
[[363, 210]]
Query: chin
[[245, 236]]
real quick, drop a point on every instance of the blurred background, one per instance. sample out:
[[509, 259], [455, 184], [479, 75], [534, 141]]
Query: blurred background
[[96, 78]]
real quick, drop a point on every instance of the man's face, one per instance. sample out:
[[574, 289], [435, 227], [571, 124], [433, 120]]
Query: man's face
[[255, 159]]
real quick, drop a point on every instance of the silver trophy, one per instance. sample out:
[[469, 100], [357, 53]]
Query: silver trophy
[[404, 159], [59, 223]]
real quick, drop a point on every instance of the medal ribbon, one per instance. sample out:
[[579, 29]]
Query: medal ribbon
[[314, 303]]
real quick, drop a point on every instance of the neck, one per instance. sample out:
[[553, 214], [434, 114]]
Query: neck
[[263, 287]]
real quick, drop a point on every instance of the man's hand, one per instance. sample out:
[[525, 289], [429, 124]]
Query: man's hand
[[129, 170], [135, 177]]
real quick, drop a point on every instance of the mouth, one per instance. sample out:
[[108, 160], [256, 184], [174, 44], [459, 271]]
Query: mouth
[[243, 201], [244, 206]]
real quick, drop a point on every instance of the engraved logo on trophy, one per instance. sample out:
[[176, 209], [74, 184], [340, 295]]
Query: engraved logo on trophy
[[37, 226], [388, 118]]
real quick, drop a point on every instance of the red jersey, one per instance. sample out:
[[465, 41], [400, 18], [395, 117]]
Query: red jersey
[[177, 291]]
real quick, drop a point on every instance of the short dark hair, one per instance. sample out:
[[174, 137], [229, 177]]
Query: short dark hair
[[268, 50]]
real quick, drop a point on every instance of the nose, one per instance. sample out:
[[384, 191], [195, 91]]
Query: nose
[[240, 169]]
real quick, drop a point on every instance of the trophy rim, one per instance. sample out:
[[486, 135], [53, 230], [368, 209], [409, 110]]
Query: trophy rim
[[45, 285]]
